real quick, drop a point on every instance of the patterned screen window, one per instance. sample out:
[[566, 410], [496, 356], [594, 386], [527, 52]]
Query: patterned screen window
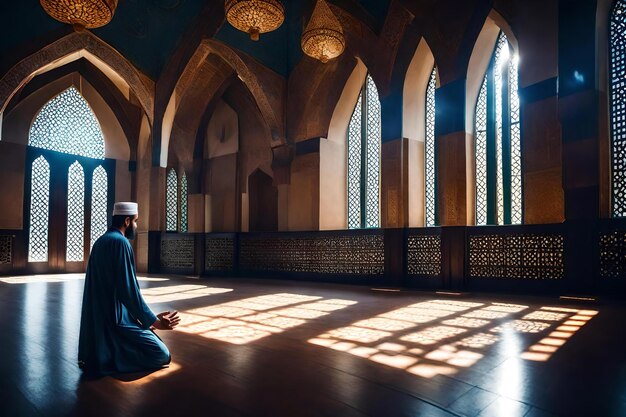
[[67, 124], [498, 140], [75, 213], [171, 202], [39, 211], [99, 190], [364, 144], [429, 150], [617, 77], [184, 215]]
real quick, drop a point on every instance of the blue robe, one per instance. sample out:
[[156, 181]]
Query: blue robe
[[115, 333]]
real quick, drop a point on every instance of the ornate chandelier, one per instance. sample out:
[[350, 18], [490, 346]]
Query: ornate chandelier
[[323, 37], [255, 16], [81, 13]]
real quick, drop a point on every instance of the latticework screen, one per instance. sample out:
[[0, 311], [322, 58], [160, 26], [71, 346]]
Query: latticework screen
[[184, 215], [481, 155], [67, 124], [617, 81], [364, 144], [99, 189], [171, 202], [429, 150], [354, 167], [498, 141], [39, 211], [75, 213]]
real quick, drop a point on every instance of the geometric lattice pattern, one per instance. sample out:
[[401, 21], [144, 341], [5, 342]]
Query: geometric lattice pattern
[[6, 250], [39, 211], [177, 253], [617, 82], [516, 145], [517, 256], [67, 124], [183, 204], [372, 173], [429, 149], [75, 213], [358, 255], [99, 190], [501, 56], [480, 121], [492, 136], [219, 253], [613, 255], [424, 255], [354, 167], [171, 202], [364, 143]]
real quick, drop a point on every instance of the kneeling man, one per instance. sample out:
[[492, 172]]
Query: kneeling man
[[116, 326]]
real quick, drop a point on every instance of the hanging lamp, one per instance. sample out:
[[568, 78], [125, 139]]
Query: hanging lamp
[[255, 16], [323, 37], [81, 14]]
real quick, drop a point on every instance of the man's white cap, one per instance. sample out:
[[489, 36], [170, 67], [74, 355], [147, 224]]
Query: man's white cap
[[126, 208]]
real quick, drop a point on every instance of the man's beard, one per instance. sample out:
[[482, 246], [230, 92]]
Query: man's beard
[[130, 233]]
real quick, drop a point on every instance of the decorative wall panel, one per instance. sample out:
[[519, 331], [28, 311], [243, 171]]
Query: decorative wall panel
[[613, 255], [424, 255], [521, 256], [219, 253], [177, 253], [617, 63], [358, 255], [6, 250]]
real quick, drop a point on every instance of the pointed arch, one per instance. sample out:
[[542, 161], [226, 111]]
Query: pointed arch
[[67, 124], [418, 124], [70, 48], [493, 123]]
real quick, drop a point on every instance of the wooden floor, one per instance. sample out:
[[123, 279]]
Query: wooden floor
[[276, 348]]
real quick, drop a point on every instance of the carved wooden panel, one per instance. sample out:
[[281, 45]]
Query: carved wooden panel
[[6, 250], [424, 255], [520, 256], [359, 255], [177, 253], [219, 254]]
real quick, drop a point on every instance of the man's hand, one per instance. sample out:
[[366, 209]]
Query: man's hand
[[166, 320]]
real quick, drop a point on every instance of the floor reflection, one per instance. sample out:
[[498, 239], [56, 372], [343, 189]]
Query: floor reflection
[[243, 321], [440, 337]]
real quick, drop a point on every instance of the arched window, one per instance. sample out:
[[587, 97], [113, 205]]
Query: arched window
[[66, 124], [498, 147], [98, 204], [39, 211], [183, 204], [617, 68], [364, 136], [75, 213], [66, 144], [171, 203], [430, 176]]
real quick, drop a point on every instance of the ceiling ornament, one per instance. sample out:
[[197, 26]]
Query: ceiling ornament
[[255, 16], [323, 37], [81, 13]]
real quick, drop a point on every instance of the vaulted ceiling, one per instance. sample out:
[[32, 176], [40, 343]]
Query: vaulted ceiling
[[147, 32]]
